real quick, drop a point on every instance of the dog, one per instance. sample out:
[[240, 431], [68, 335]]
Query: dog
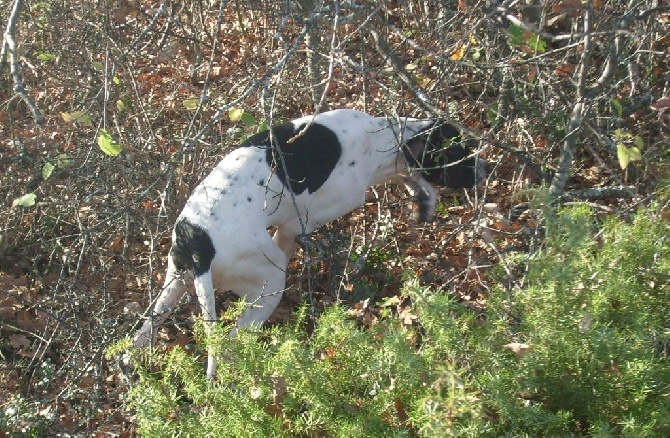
[[296, 177]]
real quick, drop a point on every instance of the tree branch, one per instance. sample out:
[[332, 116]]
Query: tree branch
[[9, 46], [577, 116], [584, 95], [602, 192]]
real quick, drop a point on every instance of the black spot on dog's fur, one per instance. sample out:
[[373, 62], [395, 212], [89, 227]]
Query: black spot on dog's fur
[[309, 159], [192, 249]]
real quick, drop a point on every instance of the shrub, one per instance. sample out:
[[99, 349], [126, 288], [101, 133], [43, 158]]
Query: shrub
[[591, 327], [595, 318]]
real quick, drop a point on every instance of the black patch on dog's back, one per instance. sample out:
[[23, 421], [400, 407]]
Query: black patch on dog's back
[[192, 249], [309, 159]]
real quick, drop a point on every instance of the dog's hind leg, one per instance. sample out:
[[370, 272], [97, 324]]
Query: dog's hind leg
[[285, 237], [257, 277], [263, 286]]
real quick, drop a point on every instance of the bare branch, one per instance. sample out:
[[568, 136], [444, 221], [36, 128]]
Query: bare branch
[[9, 45], [578, 112], [253, 86], [611, 192], [427, 104], [160, 11]]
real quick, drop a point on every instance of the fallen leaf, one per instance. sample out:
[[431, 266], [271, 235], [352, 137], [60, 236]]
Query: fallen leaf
[[368, 319], [19, 342], [518, 348], [569, 7], [458, 53], [565, 70], [662, 103]]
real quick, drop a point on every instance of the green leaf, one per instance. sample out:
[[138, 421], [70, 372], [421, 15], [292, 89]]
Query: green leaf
[[107, 144], [492, 113], [46, 57], [477, 54], [235, 114], [620, 134], [191, 103], [517, 34], [98, 65], [120, 106], [25, 200], [537, 43], [623, 154], [634, 154], [249, 119], [617, 105], [47, 170], [63, 161], [262, 127], [78, 116], [638, 142], [116, 80]]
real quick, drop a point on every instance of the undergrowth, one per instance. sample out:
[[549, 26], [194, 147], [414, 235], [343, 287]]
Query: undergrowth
[[582, 349]]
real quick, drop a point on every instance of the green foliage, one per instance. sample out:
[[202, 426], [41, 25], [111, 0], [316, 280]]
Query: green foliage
[[343, 380], [628, 147], [594, 315], [592, 319], [526, 40], [246, 119]]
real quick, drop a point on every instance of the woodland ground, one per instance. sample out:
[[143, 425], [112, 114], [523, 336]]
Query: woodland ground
[[90, 192]]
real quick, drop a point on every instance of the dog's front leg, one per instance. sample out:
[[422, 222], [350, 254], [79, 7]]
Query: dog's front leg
[[423, 197], [173, 289], [204, 289]]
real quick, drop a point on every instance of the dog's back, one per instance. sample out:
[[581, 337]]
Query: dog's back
[[250, 186], [295, 178]]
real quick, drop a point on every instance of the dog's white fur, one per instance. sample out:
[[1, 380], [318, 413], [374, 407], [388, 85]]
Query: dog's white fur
[[244, 196]]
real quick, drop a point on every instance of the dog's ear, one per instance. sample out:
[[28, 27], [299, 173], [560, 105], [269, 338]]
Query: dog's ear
[[423, 150], [438, 154], [415, 148]]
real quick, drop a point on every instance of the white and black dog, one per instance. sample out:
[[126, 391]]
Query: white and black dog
[[297, 177]]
